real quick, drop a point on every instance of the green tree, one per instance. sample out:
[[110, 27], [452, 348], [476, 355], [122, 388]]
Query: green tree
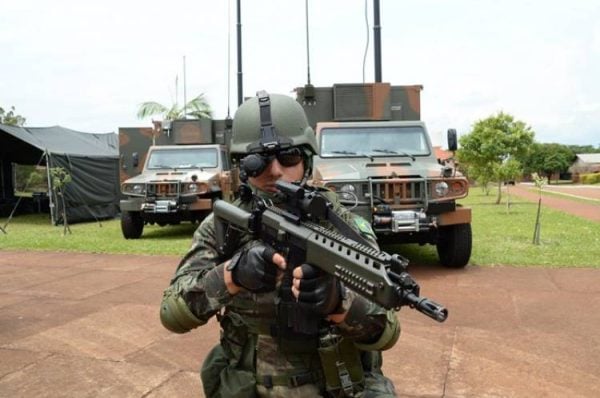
[[584, 148], [509, 170], [482, 174], [547, 159], [11, 118], [491, 143], [197, 108]]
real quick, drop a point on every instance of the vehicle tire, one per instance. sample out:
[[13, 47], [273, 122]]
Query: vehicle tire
[[132, 224], [454, 245]]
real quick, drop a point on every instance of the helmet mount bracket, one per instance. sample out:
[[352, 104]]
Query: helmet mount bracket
[[270, 142]]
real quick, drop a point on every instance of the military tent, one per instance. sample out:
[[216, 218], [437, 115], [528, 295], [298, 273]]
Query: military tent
[[92, 160]]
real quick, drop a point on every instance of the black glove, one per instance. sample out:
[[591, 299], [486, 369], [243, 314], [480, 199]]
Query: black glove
[[319, 290], [253, 269]]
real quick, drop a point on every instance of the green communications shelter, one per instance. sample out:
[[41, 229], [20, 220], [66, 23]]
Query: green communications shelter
[[92, 160]]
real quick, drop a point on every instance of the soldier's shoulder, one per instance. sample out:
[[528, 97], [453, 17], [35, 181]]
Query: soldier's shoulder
[[357, 222]]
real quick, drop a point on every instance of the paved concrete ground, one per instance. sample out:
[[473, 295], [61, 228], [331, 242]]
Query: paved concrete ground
[[82, 325]]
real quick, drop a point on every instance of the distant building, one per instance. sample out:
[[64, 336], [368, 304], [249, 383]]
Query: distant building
[[585, 163]]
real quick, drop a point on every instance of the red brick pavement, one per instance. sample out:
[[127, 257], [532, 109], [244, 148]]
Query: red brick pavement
[[86, 325], [568, 204]]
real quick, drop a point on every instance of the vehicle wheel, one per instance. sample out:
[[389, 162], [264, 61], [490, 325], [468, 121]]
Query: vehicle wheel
[[454, 245], [132, 224]]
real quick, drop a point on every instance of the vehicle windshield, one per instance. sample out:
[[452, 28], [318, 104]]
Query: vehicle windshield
[[183, 158], [374, 141]]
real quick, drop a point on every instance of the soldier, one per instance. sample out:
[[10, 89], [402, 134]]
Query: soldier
[[258, 354]]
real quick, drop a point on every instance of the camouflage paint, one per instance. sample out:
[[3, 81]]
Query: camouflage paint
[[137, 140], [354, 102], [169, 185], [411, 210]]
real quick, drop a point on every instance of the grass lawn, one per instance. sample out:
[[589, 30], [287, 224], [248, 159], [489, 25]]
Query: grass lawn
[[499, 237], [36, 233], [505, 238]]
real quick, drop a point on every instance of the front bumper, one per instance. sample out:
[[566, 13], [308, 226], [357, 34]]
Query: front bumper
[[166, 205], [399, 221]]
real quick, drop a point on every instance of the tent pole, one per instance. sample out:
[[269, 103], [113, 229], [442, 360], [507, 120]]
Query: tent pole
[[50, 190]]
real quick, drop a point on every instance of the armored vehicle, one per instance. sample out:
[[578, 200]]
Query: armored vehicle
[[377, 155], [179, 179]]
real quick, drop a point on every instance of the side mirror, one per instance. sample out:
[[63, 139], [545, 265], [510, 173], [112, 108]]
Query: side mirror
[[135, 157], [452, 141]]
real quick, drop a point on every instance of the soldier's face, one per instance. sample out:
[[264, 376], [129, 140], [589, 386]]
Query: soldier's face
[[274, 171]]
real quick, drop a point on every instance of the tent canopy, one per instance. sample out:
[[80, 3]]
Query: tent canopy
[[92, 160], [56, 140]]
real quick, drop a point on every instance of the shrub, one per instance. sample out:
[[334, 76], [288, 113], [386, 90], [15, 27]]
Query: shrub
[[590, 178]]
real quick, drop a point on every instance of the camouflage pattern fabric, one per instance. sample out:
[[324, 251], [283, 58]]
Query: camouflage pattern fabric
[[199, 280]]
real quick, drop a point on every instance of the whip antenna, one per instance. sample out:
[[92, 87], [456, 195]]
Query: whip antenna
[[239, 54], [307, 45], [366, 45], [228, 58], [309, 89]]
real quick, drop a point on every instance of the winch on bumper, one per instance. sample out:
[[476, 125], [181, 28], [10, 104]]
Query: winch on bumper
[[166, 206], [385, 219], [160, 206], [183, 203]]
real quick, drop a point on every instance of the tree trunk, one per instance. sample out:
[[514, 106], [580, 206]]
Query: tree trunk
[[499, 193], [66, 227], [538, 226]]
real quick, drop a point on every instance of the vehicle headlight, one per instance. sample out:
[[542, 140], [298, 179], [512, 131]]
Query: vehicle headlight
[[195, 187], [192, 187], [347, 192], [441, 189], [134, 189]]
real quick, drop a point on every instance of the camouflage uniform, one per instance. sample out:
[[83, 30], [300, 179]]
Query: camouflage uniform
[[259, 354], [250, 351]]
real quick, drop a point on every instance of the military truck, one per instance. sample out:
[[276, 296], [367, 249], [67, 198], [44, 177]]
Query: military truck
[[177, 180], [377, 155]]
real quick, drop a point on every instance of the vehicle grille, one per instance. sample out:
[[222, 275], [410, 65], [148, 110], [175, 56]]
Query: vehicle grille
[[163, 189], [398, 192]]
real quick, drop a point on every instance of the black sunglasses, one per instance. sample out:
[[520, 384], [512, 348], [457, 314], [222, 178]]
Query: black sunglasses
[[255, 163], [286, 157]]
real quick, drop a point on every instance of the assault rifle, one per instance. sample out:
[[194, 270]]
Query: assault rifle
[[293, 230]]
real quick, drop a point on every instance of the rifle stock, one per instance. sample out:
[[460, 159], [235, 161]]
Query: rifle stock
[[376, 275]]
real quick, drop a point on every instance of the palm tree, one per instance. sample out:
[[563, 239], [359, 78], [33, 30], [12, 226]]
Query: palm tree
[[197, 108], [10, 118]]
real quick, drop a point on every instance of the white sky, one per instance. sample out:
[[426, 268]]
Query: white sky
[[88, 65]]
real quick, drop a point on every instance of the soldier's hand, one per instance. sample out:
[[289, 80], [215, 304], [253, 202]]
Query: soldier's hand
[[257, 268], [321, 291]]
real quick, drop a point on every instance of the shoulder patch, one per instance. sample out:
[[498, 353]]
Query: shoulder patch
[[363, 226]]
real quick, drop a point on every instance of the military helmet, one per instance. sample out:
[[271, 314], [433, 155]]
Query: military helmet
[[268, 122]]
